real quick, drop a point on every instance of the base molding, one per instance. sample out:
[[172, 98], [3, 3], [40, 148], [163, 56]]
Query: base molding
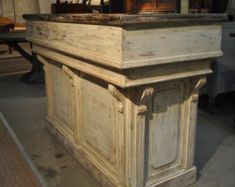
[[80, 156], [181, 179]]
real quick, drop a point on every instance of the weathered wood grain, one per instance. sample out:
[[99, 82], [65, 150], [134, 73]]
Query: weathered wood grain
[[159, 117], [168, 45], [130, 77], [125, 49], [122, 97], [96, 43]]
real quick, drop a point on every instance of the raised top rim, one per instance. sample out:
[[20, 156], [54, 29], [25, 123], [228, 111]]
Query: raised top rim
[[124, 20]]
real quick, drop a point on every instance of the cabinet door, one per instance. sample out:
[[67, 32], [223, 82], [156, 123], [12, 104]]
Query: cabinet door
[[61, 99]]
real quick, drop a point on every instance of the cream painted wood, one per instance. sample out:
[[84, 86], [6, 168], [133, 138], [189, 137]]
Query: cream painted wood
[[152, 118], [170, 45], [123, 49], [130, 77], [131, 127], [62, 111]]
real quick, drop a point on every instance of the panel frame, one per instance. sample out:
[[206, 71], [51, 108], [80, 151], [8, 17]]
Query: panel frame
[[177, 162], [51, 113]]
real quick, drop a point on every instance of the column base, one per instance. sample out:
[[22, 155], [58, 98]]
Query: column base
[[182, 179]]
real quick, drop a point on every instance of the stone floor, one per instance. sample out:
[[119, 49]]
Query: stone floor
[[24, 107]]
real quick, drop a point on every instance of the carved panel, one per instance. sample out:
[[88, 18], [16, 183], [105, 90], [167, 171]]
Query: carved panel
[[164, 131]]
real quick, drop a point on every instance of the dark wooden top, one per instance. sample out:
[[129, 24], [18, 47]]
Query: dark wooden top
[[16, 36], [123, 20]]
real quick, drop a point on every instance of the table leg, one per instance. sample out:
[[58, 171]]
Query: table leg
[[36, 75]]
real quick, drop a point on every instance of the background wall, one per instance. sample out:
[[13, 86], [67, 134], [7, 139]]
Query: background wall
[[7, 8], [0, 7], [184, 6], [45, 6], [25, 7], [14, 9]]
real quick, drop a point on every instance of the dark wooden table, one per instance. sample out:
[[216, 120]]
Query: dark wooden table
[[12, 39]]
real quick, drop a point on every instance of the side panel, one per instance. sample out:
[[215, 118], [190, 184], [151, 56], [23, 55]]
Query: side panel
[[165, 128], [164, 132]]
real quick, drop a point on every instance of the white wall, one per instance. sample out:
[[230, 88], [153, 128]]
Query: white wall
[[45, 6], [25, 7], [15, 9], [7, 9], [0, 8]]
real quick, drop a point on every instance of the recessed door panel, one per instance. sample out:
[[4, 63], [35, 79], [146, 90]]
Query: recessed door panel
[[62, 99], [164, 128], [98, 120]]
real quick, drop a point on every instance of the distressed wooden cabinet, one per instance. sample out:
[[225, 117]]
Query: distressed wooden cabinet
[[123, 90]]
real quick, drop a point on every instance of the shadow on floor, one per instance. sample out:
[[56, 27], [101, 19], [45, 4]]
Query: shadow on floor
[[213, 128], [11, 87]]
